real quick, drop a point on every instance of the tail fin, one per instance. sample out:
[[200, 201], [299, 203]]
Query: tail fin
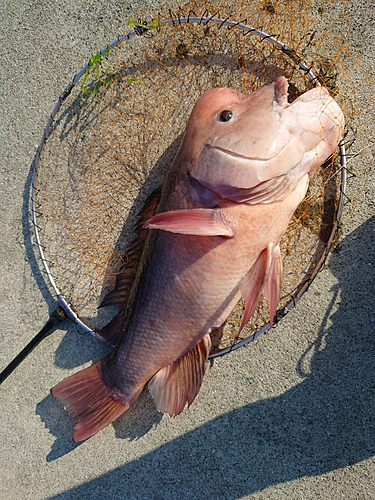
[[88, 401]]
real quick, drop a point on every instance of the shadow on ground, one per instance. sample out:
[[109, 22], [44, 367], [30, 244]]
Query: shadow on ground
[[324, 423]]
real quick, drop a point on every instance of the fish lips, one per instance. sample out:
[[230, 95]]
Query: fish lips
[[219, 174]]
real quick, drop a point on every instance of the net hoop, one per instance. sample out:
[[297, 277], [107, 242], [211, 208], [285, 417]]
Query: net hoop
[[139, 30]]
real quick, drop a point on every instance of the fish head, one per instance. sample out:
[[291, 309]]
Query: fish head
[[242, 124], [238, 142]]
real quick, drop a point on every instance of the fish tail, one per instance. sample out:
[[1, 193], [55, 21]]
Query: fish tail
[[89, 401]]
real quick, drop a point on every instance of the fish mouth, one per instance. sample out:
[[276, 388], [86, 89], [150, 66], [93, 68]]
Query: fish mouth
[[257, 186], [236, 155]]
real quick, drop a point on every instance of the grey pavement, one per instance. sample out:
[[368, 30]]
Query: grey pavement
[[289, 416]]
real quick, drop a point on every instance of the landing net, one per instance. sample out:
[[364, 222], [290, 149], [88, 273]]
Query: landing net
[[117, 126]]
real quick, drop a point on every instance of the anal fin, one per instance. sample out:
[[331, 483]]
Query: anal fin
[[177, 384]]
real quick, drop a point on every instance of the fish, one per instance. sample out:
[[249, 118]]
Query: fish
[[242, 169]]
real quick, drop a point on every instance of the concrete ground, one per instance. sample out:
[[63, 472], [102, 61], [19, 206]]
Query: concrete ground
[[291, 415]]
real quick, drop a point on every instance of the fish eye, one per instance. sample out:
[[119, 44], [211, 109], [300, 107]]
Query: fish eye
[[225, 116]]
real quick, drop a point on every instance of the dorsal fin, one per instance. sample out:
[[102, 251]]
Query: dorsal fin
[[125, 278], [177, 384]]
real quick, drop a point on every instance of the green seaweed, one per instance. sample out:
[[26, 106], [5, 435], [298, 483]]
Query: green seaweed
[[94, 66], [132, 80], [145, 27]]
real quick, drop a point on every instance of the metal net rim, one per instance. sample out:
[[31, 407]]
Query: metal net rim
[[139, 31]]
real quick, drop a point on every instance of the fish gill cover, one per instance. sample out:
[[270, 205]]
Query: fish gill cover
[[116, 131]]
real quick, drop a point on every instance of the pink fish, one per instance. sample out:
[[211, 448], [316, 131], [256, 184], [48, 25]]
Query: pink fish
[[242, 169]]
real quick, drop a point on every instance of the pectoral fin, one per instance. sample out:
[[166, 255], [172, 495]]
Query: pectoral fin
[[197, 221], [177, 384], [252, 284]]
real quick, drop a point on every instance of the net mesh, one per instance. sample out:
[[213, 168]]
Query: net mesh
[[116, 133]]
